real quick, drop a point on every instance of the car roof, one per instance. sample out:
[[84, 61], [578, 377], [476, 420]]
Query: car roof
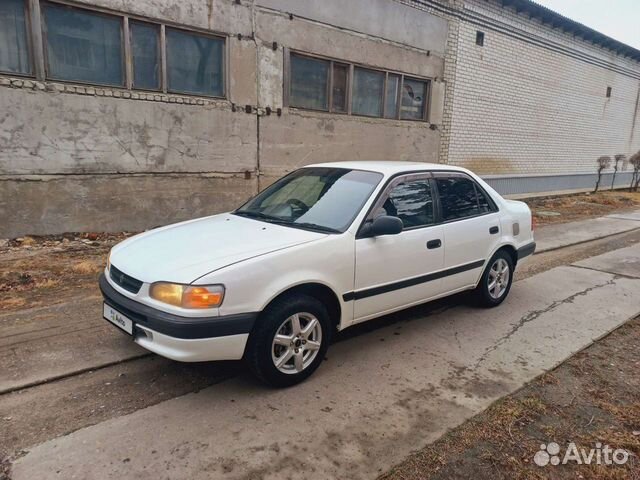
[[388, 167]]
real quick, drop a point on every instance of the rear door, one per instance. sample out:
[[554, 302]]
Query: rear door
[[394, 271], [471, 228]]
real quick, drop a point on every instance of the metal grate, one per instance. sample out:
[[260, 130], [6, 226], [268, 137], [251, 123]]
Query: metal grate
[[130, 284]]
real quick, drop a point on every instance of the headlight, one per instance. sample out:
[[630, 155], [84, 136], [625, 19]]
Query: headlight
[[188, 296]]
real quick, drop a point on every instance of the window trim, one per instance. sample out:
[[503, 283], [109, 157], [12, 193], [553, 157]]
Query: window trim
[[352, 66]]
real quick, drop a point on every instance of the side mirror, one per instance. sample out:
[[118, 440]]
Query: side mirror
[[385, 225]]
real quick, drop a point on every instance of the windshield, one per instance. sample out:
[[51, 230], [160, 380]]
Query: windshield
[[323, 199]]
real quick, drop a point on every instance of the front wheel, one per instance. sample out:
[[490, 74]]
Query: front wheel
[[496, 280], [289, 341]]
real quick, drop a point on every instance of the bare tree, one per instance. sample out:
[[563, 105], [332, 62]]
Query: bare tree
[[618, 158], [635, 177], [603, 163]]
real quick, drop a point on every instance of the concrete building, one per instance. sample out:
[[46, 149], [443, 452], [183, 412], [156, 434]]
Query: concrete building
[[127, 114]]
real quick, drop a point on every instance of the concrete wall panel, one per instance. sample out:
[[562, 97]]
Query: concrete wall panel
[[226, 16], [382, 18], [112, 203], [342, 45], [46, 132], [301, 138]]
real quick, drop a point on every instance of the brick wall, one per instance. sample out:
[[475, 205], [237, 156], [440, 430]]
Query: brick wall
[[533, 100]]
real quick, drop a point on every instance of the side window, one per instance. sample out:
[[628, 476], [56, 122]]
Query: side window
[[412, 202], [457, 197]]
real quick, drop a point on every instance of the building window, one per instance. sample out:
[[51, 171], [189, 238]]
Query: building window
[[414, 97], [86, 46], [83, 46], [309, 83], [392, 92], [608, 92], [368, 92], [194, 63], [480, 38], [325, 85], [145, 53], [339, 86], [14, 47]]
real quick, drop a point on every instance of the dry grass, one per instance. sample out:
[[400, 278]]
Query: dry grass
[[87, 267], [565, 208]]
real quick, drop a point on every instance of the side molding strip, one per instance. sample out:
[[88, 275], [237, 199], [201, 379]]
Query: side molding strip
[[410, 282]]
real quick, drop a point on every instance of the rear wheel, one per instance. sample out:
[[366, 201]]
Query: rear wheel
[[289, 341], [496, 280]]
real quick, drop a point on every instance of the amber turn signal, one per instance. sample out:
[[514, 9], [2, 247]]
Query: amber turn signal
[[188, 296]]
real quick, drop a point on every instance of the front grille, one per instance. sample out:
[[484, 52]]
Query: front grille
[[123, 280]]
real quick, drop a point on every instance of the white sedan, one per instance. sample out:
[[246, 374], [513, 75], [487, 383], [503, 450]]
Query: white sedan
[[325, 247]]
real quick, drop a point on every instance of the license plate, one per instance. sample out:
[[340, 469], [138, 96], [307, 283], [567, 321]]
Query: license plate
[[118, 319]]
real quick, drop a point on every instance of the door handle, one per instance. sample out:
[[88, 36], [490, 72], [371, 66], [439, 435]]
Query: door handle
[[431, 244], [494, 230]]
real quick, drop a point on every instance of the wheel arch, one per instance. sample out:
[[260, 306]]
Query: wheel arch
[[511, 250], [507, 247], [320, 291]]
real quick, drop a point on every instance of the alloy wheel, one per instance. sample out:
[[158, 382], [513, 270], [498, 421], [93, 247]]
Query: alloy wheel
[[296, 343], [499, 275]]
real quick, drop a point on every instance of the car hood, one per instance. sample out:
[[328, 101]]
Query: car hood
[[184, 252]]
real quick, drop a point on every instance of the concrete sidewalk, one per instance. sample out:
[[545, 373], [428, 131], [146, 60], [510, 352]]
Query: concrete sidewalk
[[561, 235], [379, 396], [39, 345]]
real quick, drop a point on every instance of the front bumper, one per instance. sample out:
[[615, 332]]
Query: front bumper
[[179, 338]]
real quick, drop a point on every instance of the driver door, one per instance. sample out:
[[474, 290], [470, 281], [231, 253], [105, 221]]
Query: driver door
[[396, 271]]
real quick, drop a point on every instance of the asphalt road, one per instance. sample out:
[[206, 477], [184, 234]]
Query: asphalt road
[[387, 387]]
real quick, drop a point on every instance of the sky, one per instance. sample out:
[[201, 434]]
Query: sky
[[619, 19]]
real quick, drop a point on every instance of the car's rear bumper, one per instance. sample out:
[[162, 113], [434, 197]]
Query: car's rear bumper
[[182, 338], [526, 250]]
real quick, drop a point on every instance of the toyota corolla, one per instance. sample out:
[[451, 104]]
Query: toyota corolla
[[325, 247]]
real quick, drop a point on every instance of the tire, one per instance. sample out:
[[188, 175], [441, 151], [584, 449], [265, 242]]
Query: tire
[[490, 294], [301, 345]]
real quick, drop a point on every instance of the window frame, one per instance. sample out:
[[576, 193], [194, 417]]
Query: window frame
[[30, 50], [37, 43], [426, 103], [45, 41], [129, 22], [165, 64], [436, 198], [391, 184], [288, 53], [493, 207]]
